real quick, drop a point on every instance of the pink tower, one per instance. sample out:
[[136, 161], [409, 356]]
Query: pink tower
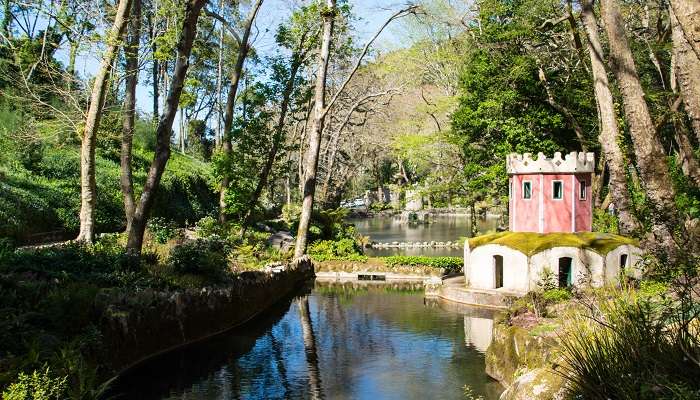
[[550, 194]]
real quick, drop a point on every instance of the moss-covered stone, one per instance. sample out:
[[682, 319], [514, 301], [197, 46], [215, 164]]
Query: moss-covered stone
[[539, 383], [530, 243], [514, 350]]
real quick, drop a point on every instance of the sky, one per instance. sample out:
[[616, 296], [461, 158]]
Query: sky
[[371, 14]]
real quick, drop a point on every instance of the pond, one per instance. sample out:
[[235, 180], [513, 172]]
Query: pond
[[349, 341], [441, 228]]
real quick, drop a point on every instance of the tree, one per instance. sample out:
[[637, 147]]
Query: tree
[[164, 129], [328, 14], [649, 153], [286, 36], [243, 49], [88, 195], [687, 71], [131, 56], [687, 13], [609, 130]]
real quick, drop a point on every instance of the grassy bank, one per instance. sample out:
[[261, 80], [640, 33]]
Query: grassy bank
[[40, 188], [49, 324]]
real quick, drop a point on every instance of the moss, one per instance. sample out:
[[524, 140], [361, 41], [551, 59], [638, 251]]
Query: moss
[[530, 243]]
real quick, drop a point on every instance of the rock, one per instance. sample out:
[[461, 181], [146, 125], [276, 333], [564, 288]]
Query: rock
[[275, 268], [264, 227], [540, 383], [281, 240]]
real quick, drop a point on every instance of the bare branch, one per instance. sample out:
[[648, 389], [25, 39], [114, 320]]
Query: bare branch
[[399, 14]]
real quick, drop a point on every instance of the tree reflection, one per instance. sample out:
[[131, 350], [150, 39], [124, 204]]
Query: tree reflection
[[310, 349]]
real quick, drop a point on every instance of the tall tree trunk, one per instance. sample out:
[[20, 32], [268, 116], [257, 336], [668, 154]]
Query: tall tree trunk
[[609, 131], [219, 84], [648, 149], [311, 161], [72, 55], [687, 72], [88, 190], [688, 14], [131, 56], [155, 66], [689, 163], [165, 126], [231, 102]]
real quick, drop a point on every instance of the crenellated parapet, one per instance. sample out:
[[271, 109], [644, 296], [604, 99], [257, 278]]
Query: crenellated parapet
[[574, 162]]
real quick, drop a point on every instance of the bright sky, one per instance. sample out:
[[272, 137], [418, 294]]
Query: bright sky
[[372, 13]]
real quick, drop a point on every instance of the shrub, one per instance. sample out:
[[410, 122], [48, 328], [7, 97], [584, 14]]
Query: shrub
[[199, 257], [628, 347], [449, 264], [208, 227], [344, 249], [557, 295], [652, 288], [548, 280], [605, 222], [161, 230], [40, 385]]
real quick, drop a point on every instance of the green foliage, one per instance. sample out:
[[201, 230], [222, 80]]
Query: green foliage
[[553, 296], [208, 227], [548, 280], [648, 288], [46, 198], [379, 206], [40, 385], [199, 257], [343, 249], [449, 264], [161, 230], [604, 222]]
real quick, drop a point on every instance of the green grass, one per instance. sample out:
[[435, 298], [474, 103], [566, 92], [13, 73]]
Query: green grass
[[45, 196], [530, 243]]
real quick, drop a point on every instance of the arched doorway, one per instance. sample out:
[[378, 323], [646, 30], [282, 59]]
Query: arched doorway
[[623, 262], [565, 273], [498, 271]]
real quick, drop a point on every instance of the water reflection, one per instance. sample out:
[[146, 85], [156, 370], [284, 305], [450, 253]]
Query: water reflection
[[442, 228], [340, 342]]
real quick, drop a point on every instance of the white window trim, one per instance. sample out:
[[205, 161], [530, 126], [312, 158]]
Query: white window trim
[[523, 191], [583, 184], [562, 190]]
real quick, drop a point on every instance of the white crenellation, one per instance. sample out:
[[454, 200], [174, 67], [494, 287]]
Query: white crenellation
[[574, 162]]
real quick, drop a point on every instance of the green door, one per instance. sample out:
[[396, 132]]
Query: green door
[[565, 275]]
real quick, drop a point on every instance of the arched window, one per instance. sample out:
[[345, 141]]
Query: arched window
[[498, 271]]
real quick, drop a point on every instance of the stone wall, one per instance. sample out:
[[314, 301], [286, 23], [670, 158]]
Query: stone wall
[[138, 326]]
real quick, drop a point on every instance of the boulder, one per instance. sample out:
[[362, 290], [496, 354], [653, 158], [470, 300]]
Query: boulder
[[281, 240], [540, 383]]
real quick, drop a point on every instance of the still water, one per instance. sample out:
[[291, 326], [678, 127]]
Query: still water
[[340, 341], [440, 229]]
